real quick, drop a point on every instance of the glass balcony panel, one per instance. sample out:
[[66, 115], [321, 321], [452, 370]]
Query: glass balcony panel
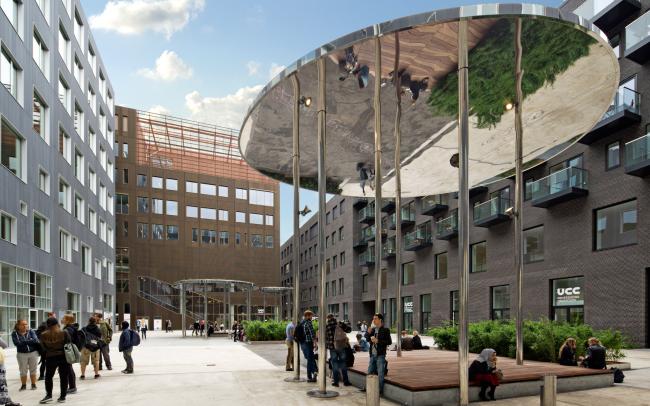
[[637, 156], [560, 181], [637, 31], [493, 207], [447, 225]]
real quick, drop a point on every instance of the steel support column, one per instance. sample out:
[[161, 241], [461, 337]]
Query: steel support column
[[205, 308], [398, 195], [183, 310], [463, 212], [519, 251], [377, 105]]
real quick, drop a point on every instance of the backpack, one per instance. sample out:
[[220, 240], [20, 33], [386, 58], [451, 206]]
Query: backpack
[[72, 354], [349, 357], [79, 338], [92, 342], [299, 333], [340, 338], [619, 376], [109, 334], [135, 339]]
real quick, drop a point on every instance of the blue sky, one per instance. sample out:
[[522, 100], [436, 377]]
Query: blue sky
[[207, 59]]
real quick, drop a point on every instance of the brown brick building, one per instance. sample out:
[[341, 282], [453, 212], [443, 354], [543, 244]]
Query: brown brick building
[[188, 207]]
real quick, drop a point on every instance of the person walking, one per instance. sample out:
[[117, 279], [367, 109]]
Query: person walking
[[306, 336], [90, 351], [195, 329], [336, 342], [379, 337], [128, 340], [53, 341], [4, 388], [72, 328], [288, 332], [143, 331], [202, 327], [107, 337], [168, 326], [27, 346]]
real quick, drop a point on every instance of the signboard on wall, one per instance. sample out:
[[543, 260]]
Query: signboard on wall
[[568, 292], [260, 311], [157, 324], [408, 307]]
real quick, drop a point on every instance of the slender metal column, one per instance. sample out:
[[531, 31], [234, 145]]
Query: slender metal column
[[322, 391], [229, 309], [519, 251], [264, 305], [225, 303], [398, 195], [205, 308], [183, 311], [377, 104], [463, 213], [248, 302]]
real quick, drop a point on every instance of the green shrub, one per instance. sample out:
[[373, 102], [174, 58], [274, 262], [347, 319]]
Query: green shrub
[[542, 338], [269, 330]]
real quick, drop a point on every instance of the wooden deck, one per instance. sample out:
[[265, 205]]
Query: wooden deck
[[435, 369]]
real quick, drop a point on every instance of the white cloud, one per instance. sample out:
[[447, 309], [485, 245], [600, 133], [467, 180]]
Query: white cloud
[[132, 17], [169, 67], [227, 111], [253, 68], [158, 109], [275, 69]]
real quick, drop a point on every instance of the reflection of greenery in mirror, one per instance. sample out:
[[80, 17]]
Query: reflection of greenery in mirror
[[310, 183], [549, 48]]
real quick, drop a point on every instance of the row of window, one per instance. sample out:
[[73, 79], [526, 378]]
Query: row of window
[[330, 291], [331, 264], [170, 232]]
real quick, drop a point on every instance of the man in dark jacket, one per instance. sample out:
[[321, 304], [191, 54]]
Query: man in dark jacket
[[337, 344], [126, 346], [379, 338], [90, 351], [595, 357]]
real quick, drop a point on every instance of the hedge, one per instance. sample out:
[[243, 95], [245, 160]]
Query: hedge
[[542, 339], [270, 330]]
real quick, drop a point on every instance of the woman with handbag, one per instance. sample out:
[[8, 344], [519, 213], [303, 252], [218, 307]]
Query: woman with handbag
[[53, 341], [483, 372], [27, 352], [72, 328]]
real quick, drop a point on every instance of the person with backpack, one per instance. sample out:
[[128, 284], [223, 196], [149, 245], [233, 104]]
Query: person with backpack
[[107, 337], [92, 344], [336, 341], [288, 331], [128, 340], [53, 341], [72, 328], [27, 347], [305, 335]]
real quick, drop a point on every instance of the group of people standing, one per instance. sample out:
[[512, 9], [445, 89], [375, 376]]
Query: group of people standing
[[59, 347]]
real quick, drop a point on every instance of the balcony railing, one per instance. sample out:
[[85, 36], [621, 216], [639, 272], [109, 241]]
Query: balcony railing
[[408, 218], [560, 186], [606, 14], [491, 212], [637, 156], [431, 205], [637, 39], [447, 228], [624, 111], [388, 248], [368, 233], [419, 238], [367, 214], [367, 257], [388, 222]]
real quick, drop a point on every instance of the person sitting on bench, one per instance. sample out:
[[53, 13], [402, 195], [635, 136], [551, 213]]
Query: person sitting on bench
[[483, 371], [568, 353], [407, 342], [417, 342], [596, 355]]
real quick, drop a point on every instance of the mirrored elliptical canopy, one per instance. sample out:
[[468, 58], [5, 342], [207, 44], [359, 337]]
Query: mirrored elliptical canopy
[[570, 77]]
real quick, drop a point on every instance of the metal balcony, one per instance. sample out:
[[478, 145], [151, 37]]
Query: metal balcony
[[367, 214], [369, 234], [408, 219], [637, 39], [388, 249], [637, 156], [418, 238], [607, 14], [492, 212], [624, 111], [431, 205], [367, 257], [475, 191], [447, 228], [560, 186], [388, 205]]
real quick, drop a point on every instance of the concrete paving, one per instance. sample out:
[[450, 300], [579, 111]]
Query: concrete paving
[[170, 370]]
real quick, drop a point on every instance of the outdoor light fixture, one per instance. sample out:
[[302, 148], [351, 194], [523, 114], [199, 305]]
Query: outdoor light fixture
[[509, 106], [304, 211], [510, 212], [305, 101]]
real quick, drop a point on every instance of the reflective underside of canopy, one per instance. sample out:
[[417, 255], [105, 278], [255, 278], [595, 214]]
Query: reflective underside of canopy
[[570, 77]]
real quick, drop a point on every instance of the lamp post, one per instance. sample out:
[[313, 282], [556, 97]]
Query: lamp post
[[398, 195], [519, 251]]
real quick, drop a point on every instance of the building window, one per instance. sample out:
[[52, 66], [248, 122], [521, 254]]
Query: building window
[[223, 191], [64, 195], [454, 306], [440, 271], [64, 95], [40, 53], [172, 233], [102, 230], [223, 237], [208, 236], [425, 312], [170, 184], [269, 220], [74, 306], [79, 211], [269, 241], [143, 204], [44, 181], [191, 211], [92, 219], [141, 181], [500, 302], [408, 273], [65, 246], [65, 145], [10, 73], [209, 190], [122, 203], [12, 9], [41, 231], [614, 155], [615, 226], [223, 215], [208, 214], [255, 218], [157, 206], [143, 231], [125, 175], [534, 244], [98, 269], [364, 283], [568, 300], [39, 117], [8, 228], [157, 231], [92, 99], [261, 198], [156, 182], [172, 208], [407, 313], [191, 187], [342, 258], [528, 188], [241, 194], [12, 150], [240, 217], [79, 166], [86, 258], [195, 235], [78, 71], [478, 257], [257, 241]]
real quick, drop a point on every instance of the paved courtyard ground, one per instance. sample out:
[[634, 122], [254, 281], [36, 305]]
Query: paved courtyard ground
[[170, 370]]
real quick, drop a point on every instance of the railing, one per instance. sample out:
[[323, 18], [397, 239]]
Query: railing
[[367, 257], [625, 99], [388, 249], [419, 237], [447, 225], [408, 213], [590, 8], [493, 207], [637, 31], [368, 233], [429, 202], [559, 181], [637, 151], [388, 222], [367, 213], [167, 304]]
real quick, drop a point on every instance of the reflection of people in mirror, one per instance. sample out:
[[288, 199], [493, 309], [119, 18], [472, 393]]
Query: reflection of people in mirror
[[366, 177], [349, 66]]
